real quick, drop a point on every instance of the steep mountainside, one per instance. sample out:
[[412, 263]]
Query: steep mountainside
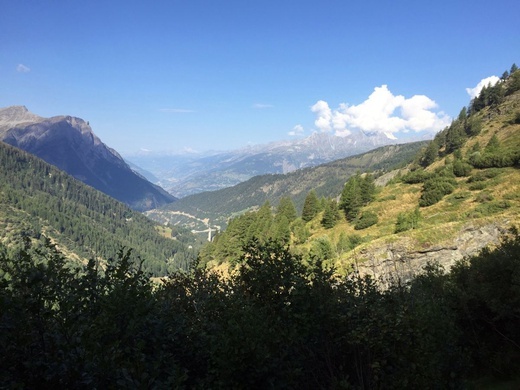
[[216, 207], [460, 194], [36, 198], [190, 173], [69, 144]]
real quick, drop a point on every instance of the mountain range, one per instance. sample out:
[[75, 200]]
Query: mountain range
[[188, 173], [70, 144], [217, 207]]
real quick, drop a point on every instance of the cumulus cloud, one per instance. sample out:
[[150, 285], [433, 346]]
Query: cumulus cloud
[[21, 68], [297, 130], [488, 81], [382, 112], [324, 115]]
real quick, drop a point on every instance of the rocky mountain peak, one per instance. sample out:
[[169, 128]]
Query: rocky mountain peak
[[70, 144], [16, 115]]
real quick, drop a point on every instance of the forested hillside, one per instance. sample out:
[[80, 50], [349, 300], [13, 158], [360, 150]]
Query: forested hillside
[[459, 194], [36, 199], [326, 179]]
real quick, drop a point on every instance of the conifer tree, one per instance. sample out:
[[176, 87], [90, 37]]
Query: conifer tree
[[351, 199], [430, 154], [310, 206], [330, 215], [286, 208]]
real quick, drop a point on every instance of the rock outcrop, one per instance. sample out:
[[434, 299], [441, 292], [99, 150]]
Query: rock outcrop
[[397, 261]]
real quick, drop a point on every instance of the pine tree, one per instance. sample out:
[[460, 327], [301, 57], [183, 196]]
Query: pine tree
[[286, 208], [310, 206], [368, 188], [430, 154], [455, 137], [282, 230], [351, 200], [330, 215]]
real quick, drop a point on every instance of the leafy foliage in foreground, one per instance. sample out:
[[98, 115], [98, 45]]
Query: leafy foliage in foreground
[[275, 323]]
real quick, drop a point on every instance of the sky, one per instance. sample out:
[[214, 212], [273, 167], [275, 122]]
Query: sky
[[218, 75]]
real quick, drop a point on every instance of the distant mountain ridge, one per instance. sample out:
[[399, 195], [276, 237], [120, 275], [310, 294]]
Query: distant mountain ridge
[[216, 207], [186, 174], [70, 144]]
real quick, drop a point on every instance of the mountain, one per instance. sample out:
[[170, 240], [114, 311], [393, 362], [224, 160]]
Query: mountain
[[459, 194], [70, 144], [186, 174], [38, 199], [216, 207]]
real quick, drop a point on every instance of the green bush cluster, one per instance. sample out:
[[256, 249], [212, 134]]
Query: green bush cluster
[[407, 220], [275, 323], [417, 176], [435, 188], [365, 220]]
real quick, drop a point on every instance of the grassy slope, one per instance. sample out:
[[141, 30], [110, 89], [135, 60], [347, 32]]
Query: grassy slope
[[441, 222]]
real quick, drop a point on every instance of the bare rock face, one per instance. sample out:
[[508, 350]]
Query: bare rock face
[[70, 144], [397, 262]]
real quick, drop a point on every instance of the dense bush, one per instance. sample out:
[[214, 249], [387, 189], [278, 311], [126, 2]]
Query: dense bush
[[274, 323], [407, 220], [461, 168], [417, 176], [365, 220], [435, 188]]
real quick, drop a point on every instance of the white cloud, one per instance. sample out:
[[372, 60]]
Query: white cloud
[[176, 110], [261, 106], [21, 68], [382, 112], [324, 113], [474, 92], [297, 130]]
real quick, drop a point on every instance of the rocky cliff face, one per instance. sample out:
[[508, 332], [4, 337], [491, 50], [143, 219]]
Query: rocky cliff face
[[70, 144], [397, 261]]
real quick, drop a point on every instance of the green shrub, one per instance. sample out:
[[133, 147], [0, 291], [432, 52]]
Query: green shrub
[[435, 189], [461, 168], [484, 197], [407, 220], [417, 176], [367, 219], [493, 207], [478, 186]]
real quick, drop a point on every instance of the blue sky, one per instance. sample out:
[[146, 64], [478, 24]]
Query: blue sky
[[209, 74]]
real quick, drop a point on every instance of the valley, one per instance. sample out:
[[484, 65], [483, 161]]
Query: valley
[[259, 195], [338, 262]]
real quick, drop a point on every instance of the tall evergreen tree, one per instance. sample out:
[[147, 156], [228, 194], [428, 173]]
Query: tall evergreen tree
[[310, 206], [430, 154], [368, 188], [330, 215], [351, 200], [286, 208], [455, 137]]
